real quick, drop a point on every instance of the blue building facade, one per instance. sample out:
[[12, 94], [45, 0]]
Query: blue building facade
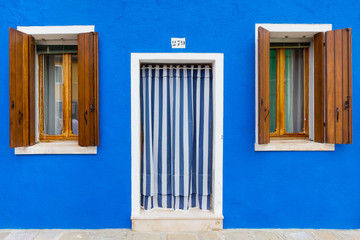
[[260, 189]]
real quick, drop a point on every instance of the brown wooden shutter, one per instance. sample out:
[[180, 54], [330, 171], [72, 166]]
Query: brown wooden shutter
[[88, 112], [21, 89], [319, 88], [263, 86], [338, 90]]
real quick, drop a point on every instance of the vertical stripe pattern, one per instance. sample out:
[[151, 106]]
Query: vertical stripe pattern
[[176, 123]]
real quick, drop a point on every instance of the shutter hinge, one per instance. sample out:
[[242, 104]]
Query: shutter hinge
[[347, 103], [92, 106], [324, 124], [324, 44], [348, 29]]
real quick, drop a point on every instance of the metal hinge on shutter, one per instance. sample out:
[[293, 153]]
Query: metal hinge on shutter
[[347, 103]]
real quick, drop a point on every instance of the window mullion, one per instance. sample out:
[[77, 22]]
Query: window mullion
[[66, 80], [281, 74]]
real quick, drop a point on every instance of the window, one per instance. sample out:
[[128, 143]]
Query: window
[[169, 219], [53, 89], [58, 93], [289, 90], [321, 114]]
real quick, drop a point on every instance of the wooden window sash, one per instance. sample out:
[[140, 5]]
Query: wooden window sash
[[280, 131], [67, 123]]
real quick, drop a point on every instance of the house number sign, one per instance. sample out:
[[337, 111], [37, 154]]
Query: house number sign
[[178, 43]]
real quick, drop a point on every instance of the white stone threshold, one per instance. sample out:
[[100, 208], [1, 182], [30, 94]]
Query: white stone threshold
[[294, 145], [126, 234], [163, 220], [56, 147]]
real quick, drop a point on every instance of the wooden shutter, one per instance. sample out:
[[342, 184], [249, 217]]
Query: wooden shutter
[[263, 86], [88, 111], [338, 90], [319, 88], [21, 89]]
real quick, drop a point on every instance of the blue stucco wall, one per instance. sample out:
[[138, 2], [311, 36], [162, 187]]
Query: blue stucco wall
[[261, 190]]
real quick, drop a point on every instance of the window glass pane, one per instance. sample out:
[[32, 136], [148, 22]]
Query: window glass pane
[[272, 90], [53, 94], [74, 94], [294, 90]]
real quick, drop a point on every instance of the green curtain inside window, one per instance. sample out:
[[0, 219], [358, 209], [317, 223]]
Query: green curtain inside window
[[272, 90]]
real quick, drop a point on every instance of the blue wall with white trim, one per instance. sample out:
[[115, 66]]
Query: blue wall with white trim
[[261, 189]]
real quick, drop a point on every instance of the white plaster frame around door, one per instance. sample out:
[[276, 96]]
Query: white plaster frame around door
[[217, 61]]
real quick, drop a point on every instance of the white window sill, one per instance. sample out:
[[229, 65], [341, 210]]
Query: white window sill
[[294, 145], [57, 147]]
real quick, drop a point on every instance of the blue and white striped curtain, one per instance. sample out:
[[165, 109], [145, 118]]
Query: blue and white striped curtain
[[176, 121]]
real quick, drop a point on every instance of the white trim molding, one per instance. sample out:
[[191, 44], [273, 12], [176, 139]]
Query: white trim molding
[[288, 33], [294, 145], [56, 147], [165, 220], [56, 35]]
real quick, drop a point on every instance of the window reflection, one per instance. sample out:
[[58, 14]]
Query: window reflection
[[53, 94]]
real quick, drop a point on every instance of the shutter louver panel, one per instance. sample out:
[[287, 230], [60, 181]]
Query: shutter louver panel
[[263, 86], [88, 113], [319, 88], [21, 89], [338, 93]]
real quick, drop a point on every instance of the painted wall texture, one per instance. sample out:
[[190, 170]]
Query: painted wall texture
[[261, 189]]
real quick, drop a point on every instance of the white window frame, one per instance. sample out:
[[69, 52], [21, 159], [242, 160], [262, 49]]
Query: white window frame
[[53, 35], [288, 33], [216, 59]]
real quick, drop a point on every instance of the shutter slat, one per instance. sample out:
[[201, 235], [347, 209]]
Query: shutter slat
[[329, 89], [32, 91], [338, 86], [96, 85], [319, 88], [263, 86], [81, 94], [12, 87], [88, 89], [349, 113], [25, 91], [345, 84], [19, 112]]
